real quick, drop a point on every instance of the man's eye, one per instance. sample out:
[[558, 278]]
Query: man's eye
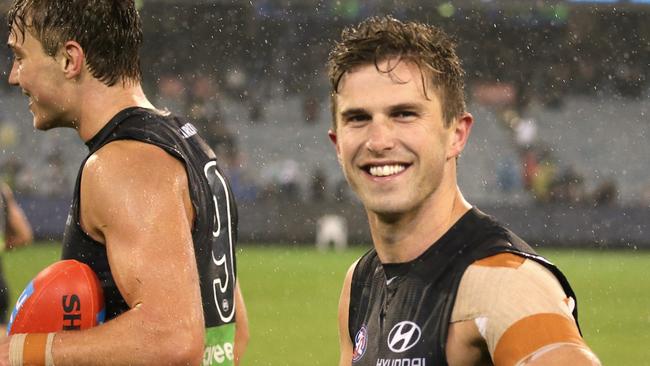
[[404, 114], [358, 118]]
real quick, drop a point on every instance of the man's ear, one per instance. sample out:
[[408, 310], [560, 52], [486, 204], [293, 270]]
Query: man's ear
[[72, 59], [460, 134], [334, 138]]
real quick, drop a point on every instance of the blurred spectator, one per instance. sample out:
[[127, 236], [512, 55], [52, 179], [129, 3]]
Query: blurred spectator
[[10, 170], [282, 180], [289, 179], [508, 175], [17, 175], [496, 94], [216, 134], [543, 178], [331, 229], [15, 231], [606, 193], [310, 108], [555, 85], [244, 187], [530, 165], [629, 80], [568, 187], [204, 99], [525, 132]]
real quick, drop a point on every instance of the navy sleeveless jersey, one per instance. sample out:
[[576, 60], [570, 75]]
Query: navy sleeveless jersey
[[405, 321], [214, 232]]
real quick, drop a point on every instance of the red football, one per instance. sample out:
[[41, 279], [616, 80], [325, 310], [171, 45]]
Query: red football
[[64, 296]]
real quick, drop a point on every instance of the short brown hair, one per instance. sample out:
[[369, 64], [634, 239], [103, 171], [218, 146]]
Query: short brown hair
[[379, 38], [109, 31]]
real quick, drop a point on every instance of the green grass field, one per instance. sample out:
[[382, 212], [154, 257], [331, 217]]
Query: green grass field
[[292, 294]]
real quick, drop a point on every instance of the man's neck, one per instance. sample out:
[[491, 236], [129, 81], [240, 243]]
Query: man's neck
[[407, 237], [99, 103]]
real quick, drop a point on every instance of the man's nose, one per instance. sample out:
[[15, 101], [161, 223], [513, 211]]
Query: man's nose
[[13, 74], [381, 135]]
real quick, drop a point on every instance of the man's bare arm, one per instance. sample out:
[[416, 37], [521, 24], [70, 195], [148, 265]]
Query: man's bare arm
[[345, 343], [241, 325], [18, 230], [525, 315], [566, 354], [135, 199]]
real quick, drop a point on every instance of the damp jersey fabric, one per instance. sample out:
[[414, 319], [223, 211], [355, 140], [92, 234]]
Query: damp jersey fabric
[[214, 230], [400, 314]]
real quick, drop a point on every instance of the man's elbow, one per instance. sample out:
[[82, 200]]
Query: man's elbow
[[241, 343], [19, 233], [183, 347], [244, 338], [568, 354], [16, 241], [27, 238]]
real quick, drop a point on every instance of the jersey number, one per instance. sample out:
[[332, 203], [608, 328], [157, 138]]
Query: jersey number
[[223, 284]]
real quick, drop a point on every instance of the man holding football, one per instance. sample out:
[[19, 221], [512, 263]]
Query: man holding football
[[152, 213], [444, 283]]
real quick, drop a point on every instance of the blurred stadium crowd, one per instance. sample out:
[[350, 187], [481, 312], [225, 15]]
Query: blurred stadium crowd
[[559, 92]]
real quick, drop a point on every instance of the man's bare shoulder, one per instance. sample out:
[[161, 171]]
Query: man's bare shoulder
[[131, 157], [126, 181], [516, 307]]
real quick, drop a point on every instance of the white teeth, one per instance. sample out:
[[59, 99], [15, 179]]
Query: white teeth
[[386, 170]]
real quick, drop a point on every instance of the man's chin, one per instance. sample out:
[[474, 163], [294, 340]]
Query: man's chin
[[46, 122], [387, 209], [42, 125]]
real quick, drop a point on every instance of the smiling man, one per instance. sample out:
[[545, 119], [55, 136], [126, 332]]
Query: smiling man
[[444, 283]]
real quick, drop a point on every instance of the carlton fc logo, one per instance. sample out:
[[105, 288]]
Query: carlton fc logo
[[360, 344], [403, 336]]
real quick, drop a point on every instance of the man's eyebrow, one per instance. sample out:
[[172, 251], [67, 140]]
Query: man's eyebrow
[[397, 107], [353, 112], [403, 106]]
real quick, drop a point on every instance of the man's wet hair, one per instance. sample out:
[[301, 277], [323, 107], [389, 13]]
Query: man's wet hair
[[384, 38], [109, 32]]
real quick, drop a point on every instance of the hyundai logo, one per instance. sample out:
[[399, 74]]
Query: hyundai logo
[[403, 336]]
